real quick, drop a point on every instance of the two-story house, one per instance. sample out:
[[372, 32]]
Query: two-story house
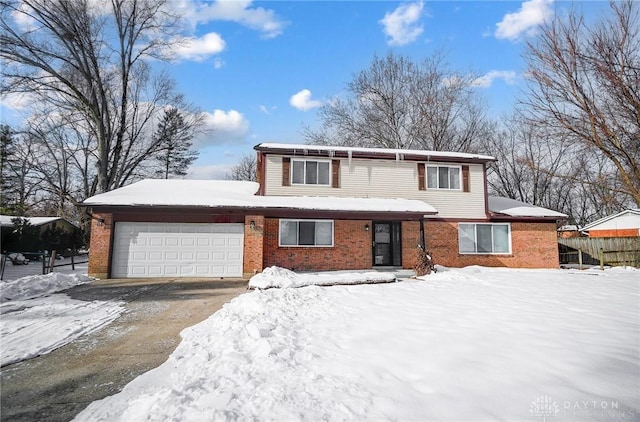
[[319, 208]]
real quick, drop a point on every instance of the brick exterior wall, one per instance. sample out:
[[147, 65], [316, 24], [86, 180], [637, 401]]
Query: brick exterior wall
[[615, 233], [100, 245], [410, 240], [351, 250], [533, 245], [253, 245]]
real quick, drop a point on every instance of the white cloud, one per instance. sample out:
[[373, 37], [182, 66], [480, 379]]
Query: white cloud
[[224, 127], [218, 63], [198, 49], [525, 21], [302, 101], [209, 172], [17, 101], [486, 80], [401, 25], [241, 12], [265, 109]]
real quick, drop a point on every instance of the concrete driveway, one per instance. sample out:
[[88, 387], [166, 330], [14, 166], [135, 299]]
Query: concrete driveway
[[57, 386]]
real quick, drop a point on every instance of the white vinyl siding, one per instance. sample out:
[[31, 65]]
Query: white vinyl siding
[[365, 178], [306, 233], [484, 238]]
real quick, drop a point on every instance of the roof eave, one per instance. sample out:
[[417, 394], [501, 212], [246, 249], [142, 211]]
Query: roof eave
[[371, 155], [273, 211]]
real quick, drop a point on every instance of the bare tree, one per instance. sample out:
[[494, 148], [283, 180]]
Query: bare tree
[[396, 103], [19, 180], [521, 150], [86, 65], [245, 169], [584, 85]]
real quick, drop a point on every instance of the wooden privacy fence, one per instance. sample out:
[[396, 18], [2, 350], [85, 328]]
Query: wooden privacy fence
[[605, 250]]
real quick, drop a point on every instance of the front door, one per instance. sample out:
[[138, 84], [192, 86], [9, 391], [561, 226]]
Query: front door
[[386, 244]]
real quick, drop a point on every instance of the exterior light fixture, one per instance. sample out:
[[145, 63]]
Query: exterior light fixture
[[100, 222], [252, 224], [366, 227]]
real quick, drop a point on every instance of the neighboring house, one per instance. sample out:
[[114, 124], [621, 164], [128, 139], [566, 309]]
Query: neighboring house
[[45, 230], [623, 224], [568, 231], [319, 208], [43, 223]]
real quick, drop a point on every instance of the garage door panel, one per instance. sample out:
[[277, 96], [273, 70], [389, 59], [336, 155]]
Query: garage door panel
[[177, 249]]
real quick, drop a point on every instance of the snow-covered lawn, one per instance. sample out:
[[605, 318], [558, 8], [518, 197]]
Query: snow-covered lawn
[[34, 321], [462, 345]]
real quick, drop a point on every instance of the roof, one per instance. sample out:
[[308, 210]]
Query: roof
[[629, 212], [241, 195], [514, 208], [381, 153], [5, 220]]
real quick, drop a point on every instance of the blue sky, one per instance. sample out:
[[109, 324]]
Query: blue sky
[[261, 70]]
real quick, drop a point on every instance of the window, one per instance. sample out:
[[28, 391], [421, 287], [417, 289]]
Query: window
[[484, 238], [307, 172], [443, 177], [306, 233]]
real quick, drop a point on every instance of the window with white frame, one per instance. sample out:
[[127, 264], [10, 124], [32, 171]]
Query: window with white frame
[[306, 232], [311, 172], [484, 238], [443, 177]]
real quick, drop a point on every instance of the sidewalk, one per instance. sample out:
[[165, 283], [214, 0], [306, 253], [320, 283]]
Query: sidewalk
[[57, 386]]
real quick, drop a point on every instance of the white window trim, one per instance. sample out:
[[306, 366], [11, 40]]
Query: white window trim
[[475, 239], [333, 233], [305, 175], [426, 176]]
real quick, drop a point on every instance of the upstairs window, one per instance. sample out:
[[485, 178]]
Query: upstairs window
[[441, 177], [308, 172], [484, 238], [306, 233]]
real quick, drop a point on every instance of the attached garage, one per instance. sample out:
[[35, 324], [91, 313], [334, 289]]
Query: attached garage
[[177, 250]]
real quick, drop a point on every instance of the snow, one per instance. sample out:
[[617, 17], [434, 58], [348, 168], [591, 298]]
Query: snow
[[34, 321], [39, 285], [281, 277], [383, 151], [209, 193], [469, 344], [515, 208], [221, 193], [38, 326], [5, 220]]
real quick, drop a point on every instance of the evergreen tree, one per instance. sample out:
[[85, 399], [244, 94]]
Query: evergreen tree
[[8, 179], [174, 141]]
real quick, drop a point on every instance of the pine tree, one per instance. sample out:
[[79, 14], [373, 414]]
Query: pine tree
[[174, 141], [8, 162]]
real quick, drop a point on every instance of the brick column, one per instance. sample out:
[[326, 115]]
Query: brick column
[[253, 245], [410, 240], [100, 245]]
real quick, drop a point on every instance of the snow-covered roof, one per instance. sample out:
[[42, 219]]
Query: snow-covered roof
[[627, 219], [236, 194], [513, 208], [5, 220], [376, 151]]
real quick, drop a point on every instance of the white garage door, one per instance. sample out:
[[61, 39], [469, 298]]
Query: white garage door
[[177, 250]]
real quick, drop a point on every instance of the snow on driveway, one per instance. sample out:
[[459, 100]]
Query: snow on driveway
[[462, 345], [34, 321]]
